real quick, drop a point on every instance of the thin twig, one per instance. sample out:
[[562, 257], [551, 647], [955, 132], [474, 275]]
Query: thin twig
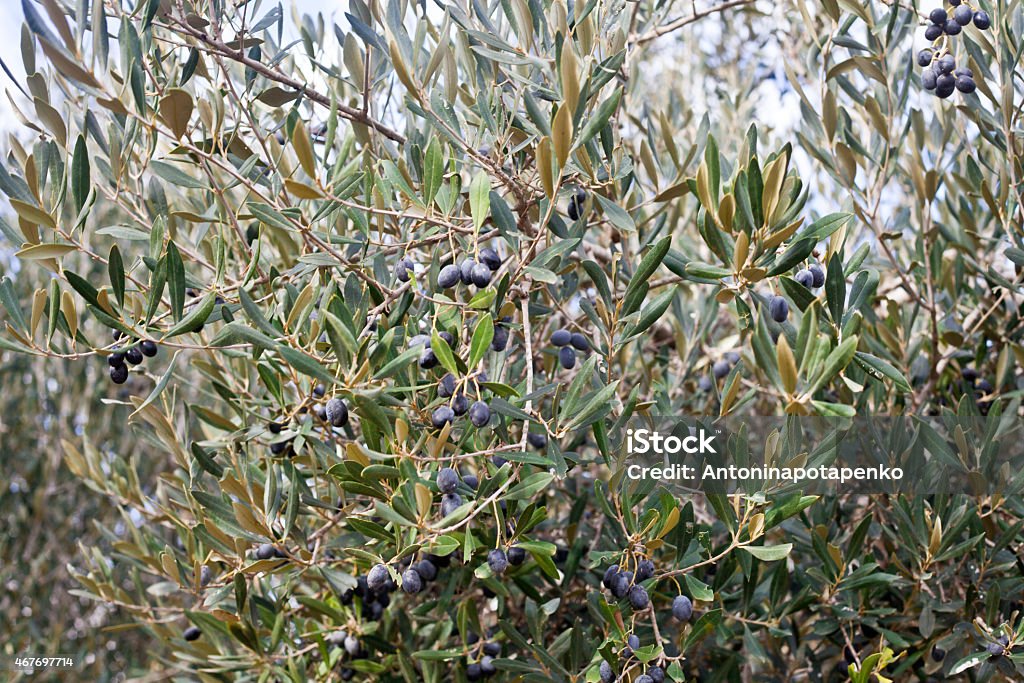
[[685, 21]]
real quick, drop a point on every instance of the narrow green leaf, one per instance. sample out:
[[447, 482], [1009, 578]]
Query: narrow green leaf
[[530, 485], [784, 509], [433, 171], [160, 385], [175, 280], [395, 365], [255, 314], [652, 312], [80, 174], [835, 363], [706, 271], [698, 589], [115, 268], [824, 226], [77, 282], [968, 662], [305, 364], [480, 199], [835, 288], [443, 352], [828, 409], [157, 282], [483, 299], [794, 254], [649, 264], [701, 628], [711, 158], [176, 176], [483, 333], [438, 655], [30, 213], [239, 333], [769, 553], [882, 369], [9, 299], [196, 317], [270, 216], [1016, 255], [53, 315], [45, 251], [583, 377], [599, 119], [600, 400]]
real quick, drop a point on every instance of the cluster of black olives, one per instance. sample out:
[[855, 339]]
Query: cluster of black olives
[[626, 584], [375, 588], [623, 583], [428, 359], [269, 551], [979, 387], [448, 481], [485, 652], [353, 648], [278, 447], [568, 343], [121, 358], [653, 674], [453, 389], [448, 387], [941, 75], [940, 21], [498, 560], [725, 364], [469, 272], [1000, 647], [576, 204], [458, 405], [374, 592], [811, 277], [414, 577], [719, 370], [448, 484]]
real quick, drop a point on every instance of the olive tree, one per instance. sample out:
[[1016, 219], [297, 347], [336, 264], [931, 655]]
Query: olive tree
[[370, 306]]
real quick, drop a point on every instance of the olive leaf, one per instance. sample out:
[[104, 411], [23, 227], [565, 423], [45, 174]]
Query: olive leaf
[[483, 333]]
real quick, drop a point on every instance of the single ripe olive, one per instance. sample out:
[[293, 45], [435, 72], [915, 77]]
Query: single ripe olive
[[119, 374], [490, 258], [561, 337]]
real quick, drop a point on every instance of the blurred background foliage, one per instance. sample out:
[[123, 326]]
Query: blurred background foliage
[[238, 182], [49, 517]]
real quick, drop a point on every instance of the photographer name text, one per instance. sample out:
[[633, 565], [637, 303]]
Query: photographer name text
[[645, 442]]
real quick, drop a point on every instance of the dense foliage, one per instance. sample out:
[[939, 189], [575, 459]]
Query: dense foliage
[[336, 336]]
